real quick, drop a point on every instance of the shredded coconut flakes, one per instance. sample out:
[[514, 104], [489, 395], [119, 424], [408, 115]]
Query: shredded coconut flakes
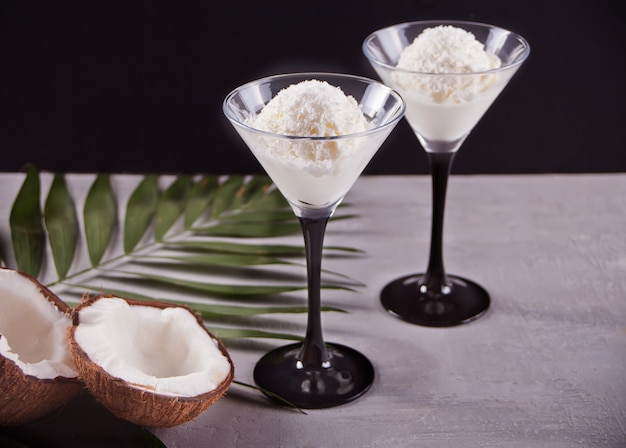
[[311, 108], [446, 50]]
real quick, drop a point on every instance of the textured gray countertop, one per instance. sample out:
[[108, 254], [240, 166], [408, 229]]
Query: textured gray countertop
[[545, 366]]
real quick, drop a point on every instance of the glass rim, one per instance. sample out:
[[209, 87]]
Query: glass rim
[[398, 114], [389, 67]]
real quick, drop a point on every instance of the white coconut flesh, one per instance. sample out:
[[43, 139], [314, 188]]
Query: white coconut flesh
[[164, 350], [33, 331]]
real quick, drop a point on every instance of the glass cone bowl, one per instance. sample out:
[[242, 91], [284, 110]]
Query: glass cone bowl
[[445, 107], [315, 172]]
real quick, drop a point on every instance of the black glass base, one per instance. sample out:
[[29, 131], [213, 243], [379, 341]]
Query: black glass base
[[347, 375], [462, 303]]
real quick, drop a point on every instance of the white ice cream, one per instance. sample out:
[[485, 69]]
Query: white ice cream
[[312, 172], [447, 81], [446, 49], [312, 109]]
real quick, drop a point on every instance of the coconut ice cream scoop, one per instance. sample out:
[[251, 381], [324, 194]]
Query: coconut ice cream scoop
[[37, 374], [153, 364]]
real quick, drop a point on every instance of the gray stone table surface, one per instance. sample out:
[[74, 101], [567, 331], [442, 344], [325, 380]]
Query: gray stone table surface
[[544, 367]]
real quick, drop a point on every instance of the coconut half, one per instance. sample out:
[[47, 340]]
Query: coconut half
[[153, 364], [37, 374]]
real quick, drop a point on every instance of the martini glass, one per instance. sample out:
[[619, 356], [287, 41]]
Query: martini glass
[[314, 374], [442, 109]]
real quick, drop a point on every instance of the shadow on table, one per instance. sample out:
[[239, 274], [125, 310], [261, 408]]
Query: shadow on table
[[82, 423]]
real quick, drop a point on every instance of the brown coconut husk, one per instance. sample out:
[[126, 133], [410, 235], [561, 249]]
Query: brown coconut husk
[[140, 406], [25, 398]]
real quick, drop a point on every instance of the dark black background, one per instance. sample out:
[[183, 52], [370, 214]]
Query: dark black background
[[137, 86]]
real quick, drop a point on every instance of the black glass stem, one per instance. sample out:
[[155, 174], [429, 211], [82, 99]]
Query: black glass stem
[[314, 349], [434, 298], [435, 278], [314, 374]]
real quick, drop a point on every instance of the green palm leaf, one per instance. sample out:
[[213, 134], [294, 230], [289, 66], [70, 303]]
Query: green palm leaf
[[213, 310], [99, 216], [267, 198], [222, 259], [27, 232], [259, 215], [232, 260], [141, 208], [234, 290], [262, 229], [255, 197], [170, 205], [199, 200], [231, 333], [229, 247], [2, 255], [226, 194], [62, 225], [256, 188]]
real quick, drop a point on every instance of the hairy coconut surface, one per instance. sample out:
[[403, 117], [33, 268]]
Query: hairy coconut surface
[[26, 398], [153, 364], [37, 374]]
